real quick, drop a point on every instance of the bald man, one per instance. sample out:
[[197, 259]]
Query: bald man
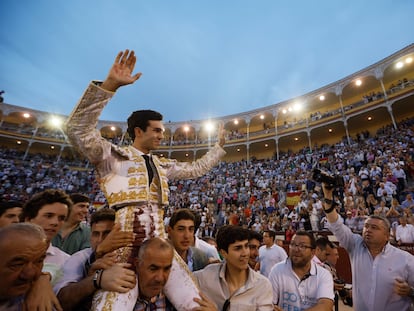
[[23, 247]]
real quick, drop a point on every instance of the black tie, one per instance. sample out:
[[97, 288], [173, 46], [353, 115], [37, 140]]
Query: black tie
[[148, 161]]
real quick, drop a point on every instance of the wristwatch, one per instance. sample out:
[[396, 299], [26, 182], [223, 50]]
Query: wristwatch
[[97, 279]]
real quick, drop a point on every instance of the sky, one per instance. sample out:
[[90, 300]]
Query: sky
[[199, 59]]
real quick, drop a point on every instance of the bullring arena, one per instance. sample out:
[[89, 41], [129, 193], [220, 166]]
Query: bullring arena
[[270, 150]]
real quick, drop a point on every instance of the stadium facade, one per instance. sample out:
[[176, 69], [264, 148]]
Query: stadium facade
[[378, 95]]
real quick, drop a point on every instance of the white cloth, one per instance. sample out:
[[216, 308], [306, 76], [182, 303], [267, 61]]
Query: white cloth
[[74, 269], [291, 293], [208, 249], [269, 256], [53, 263]]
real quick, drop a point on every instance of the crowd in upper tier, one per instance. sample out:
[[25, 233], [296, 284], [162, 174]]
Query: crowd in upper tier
[[377, 169]]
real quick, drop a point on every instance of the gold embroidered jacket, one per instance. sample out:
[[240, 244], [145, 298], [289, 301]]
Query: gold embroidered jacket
[[121, 171]]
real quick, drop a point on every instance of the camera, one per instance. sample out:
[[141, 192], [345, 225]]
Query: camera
[[330, 180]]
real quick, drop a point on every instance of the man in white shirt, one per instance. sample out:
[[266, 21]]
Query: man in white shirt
[[94, 268], [320, 251], [49, 209], [382, 275], [298, 283], [404, 232], [232, 284], [269, 253]]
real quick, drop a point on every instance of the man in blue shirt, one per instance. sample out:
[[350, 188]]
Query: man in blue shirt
[[382, 275]]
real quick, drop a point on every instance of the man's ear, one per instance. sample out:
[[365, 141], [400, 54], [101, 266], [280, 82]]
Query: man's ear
[[138, 131], [223, 253], [169, 229]]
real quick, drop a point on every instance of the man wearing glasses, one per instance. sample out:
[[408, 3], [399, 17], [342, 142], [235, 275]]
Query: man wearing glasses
[[298, 283]]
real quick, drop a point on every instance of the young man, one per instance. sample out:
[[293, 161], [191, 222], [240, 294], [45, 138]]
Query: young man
[[269, 253], [232, 284], [10, 212], [49, 209], [181, 233], [255, 241], [134, 181], [374, 261], [332, 256], [92, 268], [298, 283], [74, 235], [320, 250], [23, 249]]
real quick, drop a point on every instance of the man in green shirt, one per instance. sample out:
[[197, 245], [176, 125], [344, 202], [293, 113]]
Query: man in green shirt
[[74, 235]]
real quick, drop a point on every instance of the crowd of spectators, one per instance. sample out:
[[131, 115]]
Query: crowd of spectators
[[377, 171]]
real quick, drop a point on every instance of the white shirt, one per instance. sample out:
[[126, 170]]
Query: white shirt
[[373, 278], [292, 293], [74, 269], [208, 249], [54, 261], [269, 256], [405, 234]]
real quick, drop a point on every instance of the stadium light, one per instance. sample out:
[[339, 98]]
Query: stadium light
[[236, 121], [113, 128], [358, 82], [26, 115], [409, 60], [399, 65], [322, 97], [55, 121], [297, 106], [262, 117], [209, 126]]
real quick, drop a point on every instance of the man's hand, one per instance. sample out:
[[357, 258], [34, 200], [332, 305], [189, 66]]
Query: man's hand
[[121, 72], [107, 261], [205, 304], [118, 278], [41, 296], [402, 288], [114, 240], [327, 192], [221, 135]]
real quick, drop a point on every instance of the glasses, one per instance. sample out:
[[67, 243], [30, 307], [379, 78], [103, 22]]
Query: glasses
[[301, 247], [226, 305]]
